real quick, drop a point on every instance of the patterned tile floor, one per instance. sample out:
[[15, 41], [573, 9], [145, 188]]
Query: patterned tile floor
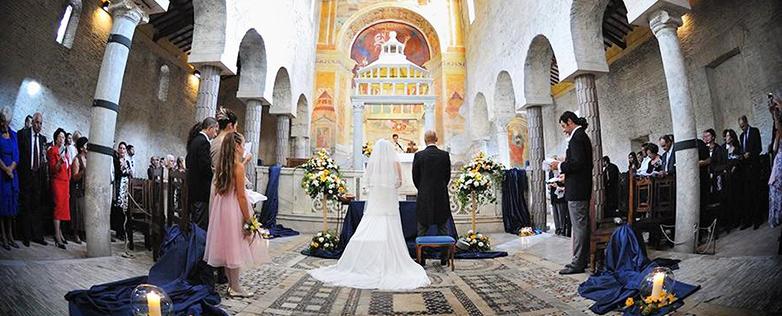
[[34, 280]]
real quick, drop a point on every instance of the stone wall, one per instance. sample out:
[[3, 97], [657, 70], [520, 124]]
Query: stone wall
[[733, 58], [68, 78]]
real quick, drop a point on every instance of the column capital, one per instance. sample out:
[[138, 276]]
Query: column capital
[[428, 106], [664, 20], [128, 9], [358, 106], [288, 115]]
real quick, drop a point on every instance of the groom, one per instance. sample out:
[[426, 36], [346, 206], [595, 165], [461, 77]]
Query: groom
[[431, 173]]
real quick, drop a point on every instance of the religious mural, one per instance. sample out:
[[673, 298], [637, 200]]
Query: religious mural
[[366, 47], [324, 120], [518, 141]]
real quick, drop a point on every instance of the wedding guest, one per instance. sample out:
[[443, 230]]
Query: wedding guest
[[199, 175], [577, 169], [180, 164], [775, 180], [28, 121], [226, 122], [60, 168], [732, 197], [750, 143], [669, 156], [654, 164], [611, 185], [170, 162], [632, 162], [227, 245], [131, 154], [154, 171], [9, 180], [33, 182], [78, 170], [559, 205], [716, 164], [643, 156], [70, 146], [122, 175]]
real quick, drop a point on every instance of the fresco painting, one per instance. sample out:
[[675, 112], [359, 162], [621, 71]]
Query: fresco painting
[[366, 47]]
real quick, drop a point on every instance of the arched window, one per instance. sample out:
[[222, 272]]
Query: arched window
[[471, 10], [162, 91], [68, 23]]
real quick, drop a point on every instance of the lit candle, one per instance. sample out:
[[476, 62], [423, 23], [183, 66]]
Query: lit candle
[[657, 285], [153, 304]]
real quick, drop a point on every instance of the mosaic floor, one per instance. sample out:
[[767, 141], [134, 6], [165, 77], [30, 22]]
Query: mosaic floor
[[33, 281]]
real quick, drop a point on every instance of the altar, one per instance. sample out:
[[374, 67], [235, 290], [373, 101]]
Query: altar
[[298, 211]]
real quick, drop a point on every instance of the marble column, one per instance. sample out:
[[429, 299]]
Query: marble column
[[537, 177], [125, 16], [283, 138], [586, 97], [208, 87], [664, 25], [429, 116], [252, 133], [358, 135], [501, 134]]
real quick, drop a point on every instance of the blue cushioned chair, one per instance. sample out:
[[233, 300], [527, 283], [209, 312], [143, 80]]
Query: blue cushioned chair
[[435, 242]]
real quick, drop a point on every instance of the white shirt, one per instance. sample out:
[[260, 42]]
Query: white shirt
[[33, 137], [644, 166], [207, 136]]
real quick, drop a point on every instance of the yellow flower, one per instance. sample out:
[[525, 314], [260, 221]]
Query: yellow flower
[[629, 302]]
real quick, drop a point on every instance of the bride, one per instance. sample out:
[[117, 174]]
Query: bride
[[376, 257]]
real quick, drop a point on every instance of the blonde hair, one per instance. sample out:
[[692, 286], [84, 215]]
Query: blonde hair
[[224, 168]]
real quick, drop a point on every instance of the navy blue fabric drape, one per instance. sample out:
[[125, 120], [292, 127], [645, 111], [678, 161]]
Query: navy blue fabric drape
[[409, 229], [176, 273], [626, 265], [271, 206], [515, 214]]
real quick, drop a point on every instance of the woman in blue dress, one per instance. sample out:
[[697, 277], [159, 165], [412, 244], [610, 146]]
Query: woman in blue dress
[[9, 181]]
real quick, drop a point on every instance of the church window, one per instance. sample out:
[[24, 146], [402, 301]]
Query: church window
[[68, 23], [471, 10], [162, 92]]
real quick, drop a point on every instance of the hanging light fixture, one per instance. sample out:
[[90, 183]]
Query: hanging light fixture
[[105, 5], [197, 74]]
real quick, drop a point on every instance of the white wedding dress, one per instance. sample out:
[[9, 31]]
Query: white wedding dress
[[376, 257]]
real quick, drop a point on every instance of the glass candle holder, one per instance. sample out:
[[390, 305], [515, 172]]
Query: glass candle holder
[[658, 283], [150, 300]]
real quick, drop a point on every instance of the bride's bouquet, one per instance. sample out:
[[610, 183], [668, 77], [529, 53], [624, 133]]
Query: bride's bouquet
[[254, 228]]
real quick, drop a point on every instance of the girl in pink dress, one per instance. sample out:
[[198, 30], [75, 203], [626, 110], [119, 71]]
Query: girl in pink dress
[[227, 245]]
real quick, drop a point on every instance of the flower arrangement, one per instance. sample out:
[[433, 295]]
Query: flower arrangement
[[367, 149], [322, 177], [476, 241], [479, 176], [526, 232], [326, 240], [254, 228], [649, 305]]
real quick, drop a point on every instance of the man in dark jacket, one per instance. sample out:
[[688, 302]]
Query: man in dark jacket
[[33, 183], [577, 169], [431, 173], [611, 185], [750, 143], [199, 172]]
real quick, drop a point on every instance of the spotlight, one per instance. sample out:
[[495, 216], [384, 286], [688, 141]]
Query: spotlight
[[33, 87], [197, 74], [105, 5]]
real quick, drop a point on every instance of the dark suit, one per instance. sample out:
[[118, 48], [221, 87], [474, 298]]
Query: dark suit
[[669, 165], [199, 179], [750, 143], [611, 184], [33, 187], [431, 174], [577, 168]]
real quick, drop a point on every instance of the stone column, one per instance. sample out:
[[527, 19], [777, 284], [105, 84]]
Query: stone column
[[283, 138], [503, 148], [664, 25], [126, 16], [358, 135], [429, 116], [252, 133], [299, 147], [537, 177], [586, 96], [208, 87]]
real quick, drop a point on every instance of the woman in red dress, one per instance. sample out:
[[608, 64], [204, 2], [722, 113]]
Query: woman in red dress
[[60, 168]]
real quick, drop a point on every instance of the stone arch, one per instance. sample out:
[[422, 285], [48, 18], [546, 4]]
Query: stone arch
[[281, 93], [211, 34], [479, 118], [537, 71], [252, 65], [504, 111], [586, 28]]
